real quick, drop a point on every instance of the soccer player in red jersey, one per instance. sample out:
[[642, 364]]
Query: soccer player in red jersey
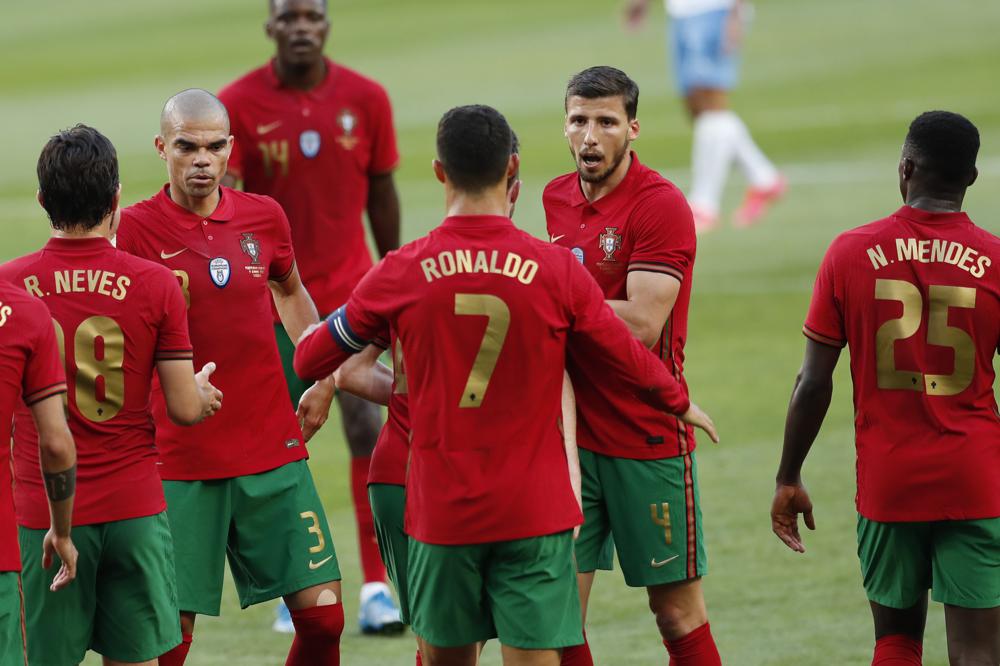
[[489, 506], [118, 318], [31, 371], [237, 485], [318, 138], [916, 296], [633, 231]]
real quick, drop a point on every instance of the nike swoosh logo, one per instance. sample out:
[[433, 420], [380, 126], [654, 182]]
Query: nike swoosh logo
[[264, 129], [656, 565], [317, 565], [164, 255], [553, 239]]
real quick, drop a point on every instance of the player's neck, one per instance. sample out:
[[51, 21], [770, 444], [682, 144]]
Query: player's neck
[[102, 230], [200, 206], [936, 203], [595, 191], [301, 78], [458, 202]]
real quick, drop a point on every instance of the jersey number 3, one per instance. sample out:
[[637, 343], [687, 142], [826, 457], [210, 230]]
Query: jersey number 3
[[489, 349], [939, 333]]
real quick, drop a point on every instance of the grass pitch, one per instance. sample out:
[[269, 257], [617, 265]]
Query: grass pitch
[[828, 90]]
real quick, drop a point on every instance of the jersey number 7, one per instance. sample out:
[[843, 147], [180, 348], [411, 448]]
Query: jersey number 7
[[489, 349]]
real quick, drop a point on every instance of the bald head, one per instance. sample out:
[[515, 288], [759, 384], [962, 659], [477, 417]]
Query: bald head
[[193, 106]]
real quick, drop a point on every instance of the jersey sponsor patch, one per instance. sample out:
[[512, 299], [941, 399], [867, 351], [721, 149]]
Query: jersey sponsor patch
[[578, 253], [219, 271], [309, 143]]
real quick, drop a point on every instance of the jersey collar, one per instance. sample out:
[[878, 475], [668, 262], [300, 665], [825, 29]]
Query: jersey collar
[[928, 217], [91, 245], [223, 212], [612, 198]]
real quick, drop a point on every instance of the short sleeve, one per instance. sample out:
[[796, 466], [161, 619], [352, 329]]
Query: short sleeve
[[663, 236], [825, 321], [173, 340], [385, 154], [283, 259], [44, 374]]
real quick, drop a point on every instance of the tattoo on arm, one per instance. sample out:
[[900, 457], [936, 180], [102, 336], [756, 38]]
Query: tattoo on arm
[[60, 485]]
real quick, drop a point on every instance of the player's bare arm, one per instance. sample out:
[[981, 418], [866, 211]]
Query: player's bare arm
[[190, 398], [651, 298], [383, 212], [568, 427], [806, 411], [364, 376], [57, 455]]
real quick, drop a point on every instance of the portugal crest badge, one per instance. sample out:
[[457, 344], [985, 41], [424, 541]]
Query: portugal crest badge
[[610, 242], [251, 248], [219, 271], [309, 143], [348, 122]]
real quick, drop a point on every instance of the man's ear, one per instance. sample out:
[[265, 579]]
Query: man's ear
[[906, 167], [161, 147], [633, 129], [40, 198], [513, 166], [975, 175], [439, 171]]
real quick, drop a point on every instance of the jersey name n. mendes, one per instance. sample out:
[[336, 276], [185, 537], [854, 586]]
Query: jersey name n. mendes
[[223, 264], [392, 449], [30, 371], [313, 151], [644, 224], [115, 317], [916, 297], [485, 314]]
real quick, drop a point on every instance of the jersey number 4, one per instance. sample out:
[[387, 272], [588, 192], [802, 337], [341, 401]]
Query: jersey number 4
[[99, 354], [939, 333], [498, 313]]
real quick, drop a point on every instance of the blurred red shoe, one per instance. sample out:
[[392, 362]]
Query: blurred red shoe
[[756, 202], [703, 219]]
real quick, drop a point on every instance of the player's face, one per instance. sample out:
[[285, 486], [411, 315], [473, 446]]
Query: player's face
[[298, 28], [599, 133], [196, 154]]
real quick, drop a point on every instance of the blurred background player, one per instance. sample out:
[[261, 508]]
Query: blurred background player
[[632, 230], [31, 371], [119, 318], [916, 296], [237, 485], [490, 554], [705, 38], [318, 138]]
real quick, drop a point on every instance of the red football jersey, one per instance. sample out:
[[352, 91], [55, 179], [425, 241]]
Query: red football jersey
[[392, 449], [485, 314], [115, 316], [916, 296], [223, 264], [644, 224], [30, 370], [313, 151]]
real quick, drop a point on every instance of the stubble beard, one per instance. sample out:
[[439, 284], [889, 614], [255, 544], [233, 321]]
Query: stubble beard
[[603, 175]]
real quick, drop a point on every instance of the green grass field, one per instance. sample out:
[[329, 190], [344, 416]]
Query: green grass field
[[828, 89]]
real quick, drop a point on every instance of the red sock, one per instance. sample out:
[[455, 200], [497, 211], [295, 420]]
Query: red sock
[[177, 656], [897, 650], [317, 636], [371, 560], [419, 662], [695, 649], [577, 655]]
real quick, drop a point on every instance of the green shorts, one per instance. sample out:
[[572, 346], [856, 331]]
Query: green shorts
[[271, 526], [12, 651], [122, 604], [286, 349], [522, 591], [647, 510], [388, 504], [957, 560]]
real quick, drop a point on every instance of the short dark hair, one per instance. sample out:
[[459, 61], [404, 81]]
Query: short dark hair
[[944, 143], [273, 4], [78, 178], [604, 81], [474, 146]]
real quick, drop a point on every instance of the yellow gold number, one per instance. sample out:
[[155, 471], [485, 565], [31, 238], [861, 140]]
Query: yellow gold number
[[185, 281], [100, 379], [489, 349], [274, 152], [397, 368], [61, 342], [897, 329], [939, 333], [663, 522], [315, 529]]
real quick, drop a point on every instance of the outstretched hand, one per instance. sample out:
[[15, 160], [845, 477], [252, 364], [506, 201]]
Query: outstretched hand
[[699, 419], [789, 501], [211, 396]]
